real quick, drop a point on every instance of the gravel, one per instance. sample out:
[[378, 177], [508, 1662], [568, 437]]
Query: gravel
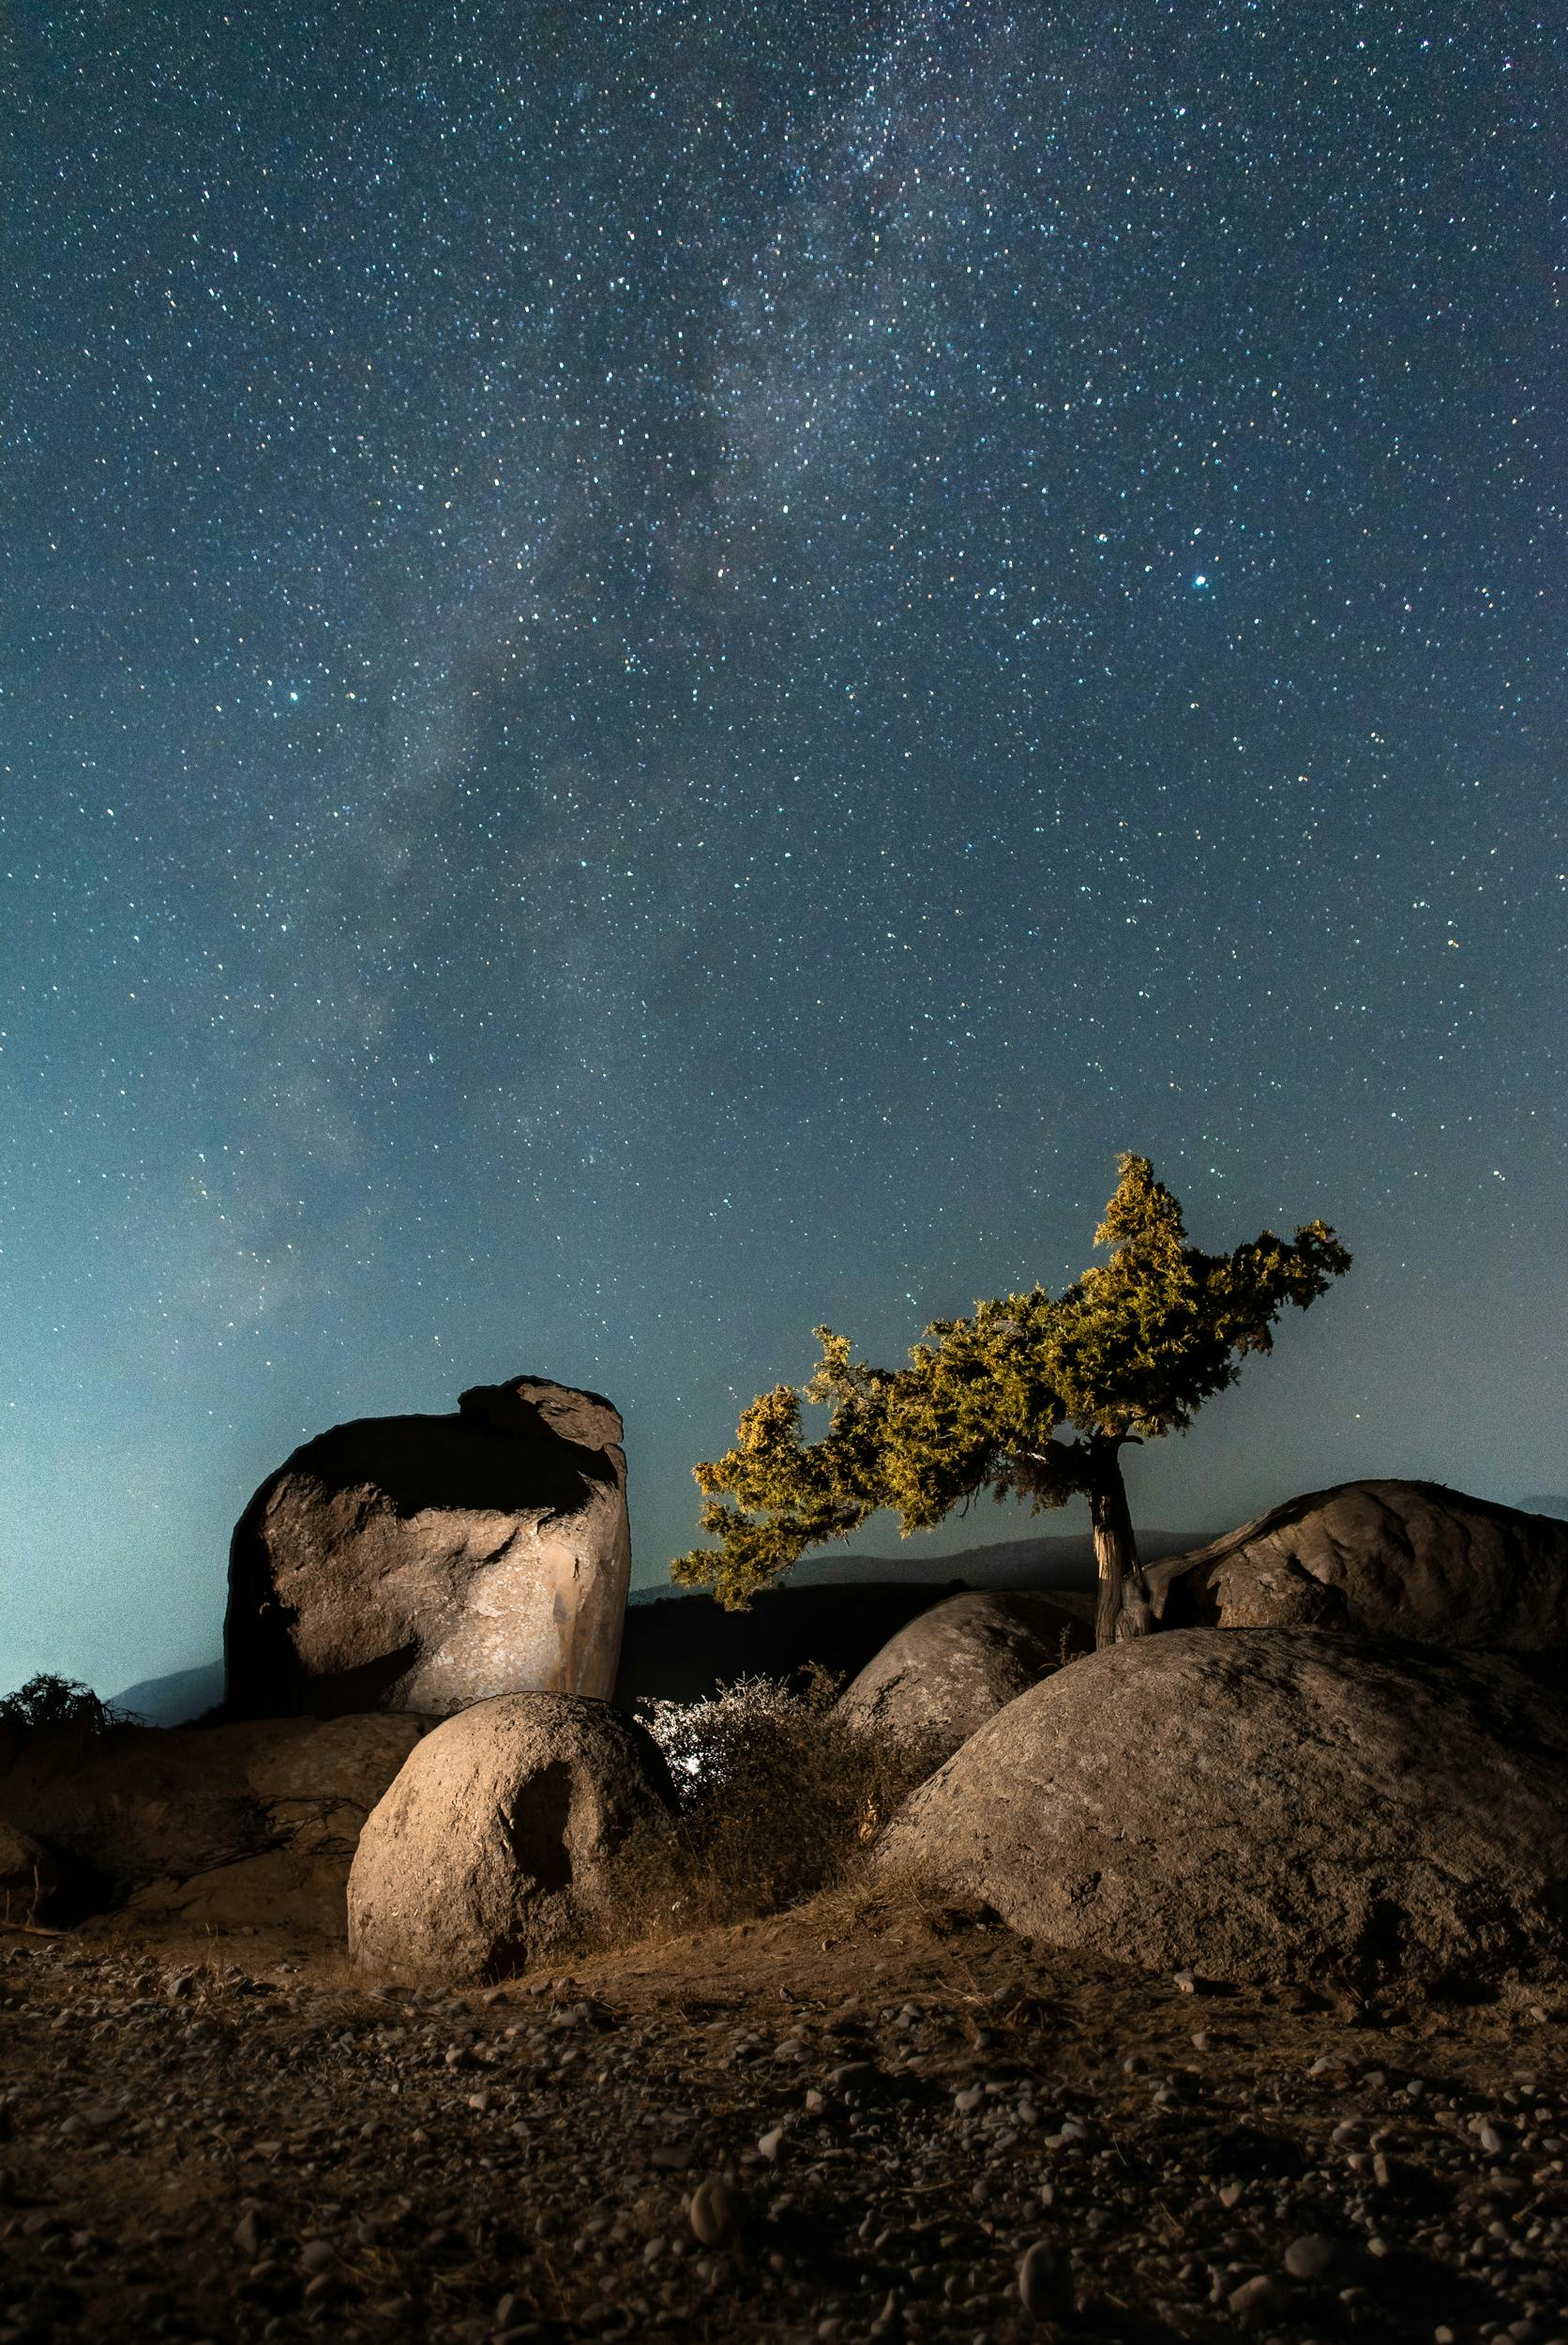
[[981, 2143]]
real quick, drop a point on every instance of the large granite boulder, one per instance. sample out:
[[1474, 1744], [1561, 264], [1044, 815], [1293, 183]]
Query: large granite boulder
[[424, 1563], [1265, 1805], [247, 1826], [956, 1666], [1401, 1559], [499, 1844]]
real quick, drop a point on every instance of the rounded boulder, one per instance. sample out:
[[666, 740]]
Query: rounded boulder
[[938, 1680], [1267, 1804], [1391, 1559], [500, 1841]]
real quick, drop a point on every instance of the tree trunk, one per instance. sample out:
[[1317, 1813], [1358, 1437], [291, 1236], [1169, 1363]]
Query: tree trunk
[[1125, 1610]]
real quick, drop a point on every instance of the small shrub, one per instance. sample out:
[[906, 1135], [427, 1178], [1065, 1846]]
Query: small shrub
[[778, 1796], [48, 1700]]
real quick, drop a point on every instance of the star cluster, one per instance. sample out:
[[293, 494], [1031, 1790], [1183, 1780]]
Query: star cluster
[[666, 667]]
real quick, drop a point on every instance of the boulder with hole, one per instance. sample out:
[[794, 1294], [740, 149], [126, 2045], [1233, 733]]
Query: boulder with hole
[[504, 1838]]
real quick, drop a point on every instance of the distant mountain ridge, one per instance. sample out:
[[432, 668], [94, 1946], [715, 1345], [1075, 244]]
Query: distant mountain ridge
[[1041, 1563], [172, 1700]]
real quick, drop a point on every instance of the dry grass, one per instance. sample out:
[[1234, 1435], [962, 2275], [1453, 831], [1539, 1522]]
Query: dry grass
[[780, 1796]]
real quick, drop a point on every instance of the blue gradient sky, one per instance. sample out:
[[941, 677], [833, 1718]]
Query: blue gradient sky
[[664, 668]]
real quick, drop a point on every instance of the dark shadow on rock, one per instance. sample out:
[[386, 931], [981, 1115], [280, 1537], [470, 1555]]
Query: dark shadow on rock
[[348, 1690], [420, 1462], [422, 1562]]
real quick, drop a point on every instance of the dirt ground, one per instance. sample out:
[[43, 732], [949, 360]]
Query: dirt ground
[[855, 2120]]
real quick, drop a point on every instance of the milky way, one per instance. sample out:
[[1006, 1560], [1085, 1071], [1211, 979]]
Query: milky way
[[666, 667]]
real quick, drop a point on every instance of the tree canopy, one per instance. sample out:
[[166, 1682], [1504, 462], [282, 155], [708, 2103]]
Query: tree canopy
[[1129, 1352]]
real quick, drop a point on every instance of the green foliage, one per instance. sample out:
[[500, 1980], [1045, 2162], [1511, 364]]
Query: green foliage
[[1130, 1351], [50, 1701]]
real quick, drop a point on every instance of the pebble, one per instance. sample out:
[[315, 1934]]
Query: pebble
[[249, 2233], [1046, 2282], [714, 2212], [1260, 2298], [854, 2077], [1313, 2257]]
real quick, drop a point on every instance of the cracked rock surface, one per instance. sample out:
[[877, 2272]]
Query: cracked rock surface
[[1389, 1558]]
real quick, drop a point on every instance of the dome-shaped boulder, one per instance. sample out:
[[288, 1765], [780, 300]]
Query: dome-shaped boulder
[[956, 1665], [498, 1843], [1263, 1805], [1392, 1559]]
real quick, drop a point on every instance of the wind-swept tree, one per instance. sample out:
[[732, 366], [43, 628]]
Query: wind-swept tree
[[1130, 1351]]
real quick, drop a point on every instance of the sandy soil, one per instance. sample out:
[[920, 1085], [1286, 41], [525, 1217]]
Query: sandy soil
[[239, 2137]]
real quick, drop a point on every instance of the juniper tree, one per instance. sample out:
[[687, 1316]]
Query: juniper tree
[[1033, 1395]]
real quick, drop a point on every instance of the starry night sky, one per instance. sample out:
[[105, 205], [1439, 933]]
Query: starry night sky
[[666, 666]]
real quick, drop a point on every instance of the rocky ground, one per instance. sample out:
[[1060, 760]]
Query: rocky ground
[[238, 2139]]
